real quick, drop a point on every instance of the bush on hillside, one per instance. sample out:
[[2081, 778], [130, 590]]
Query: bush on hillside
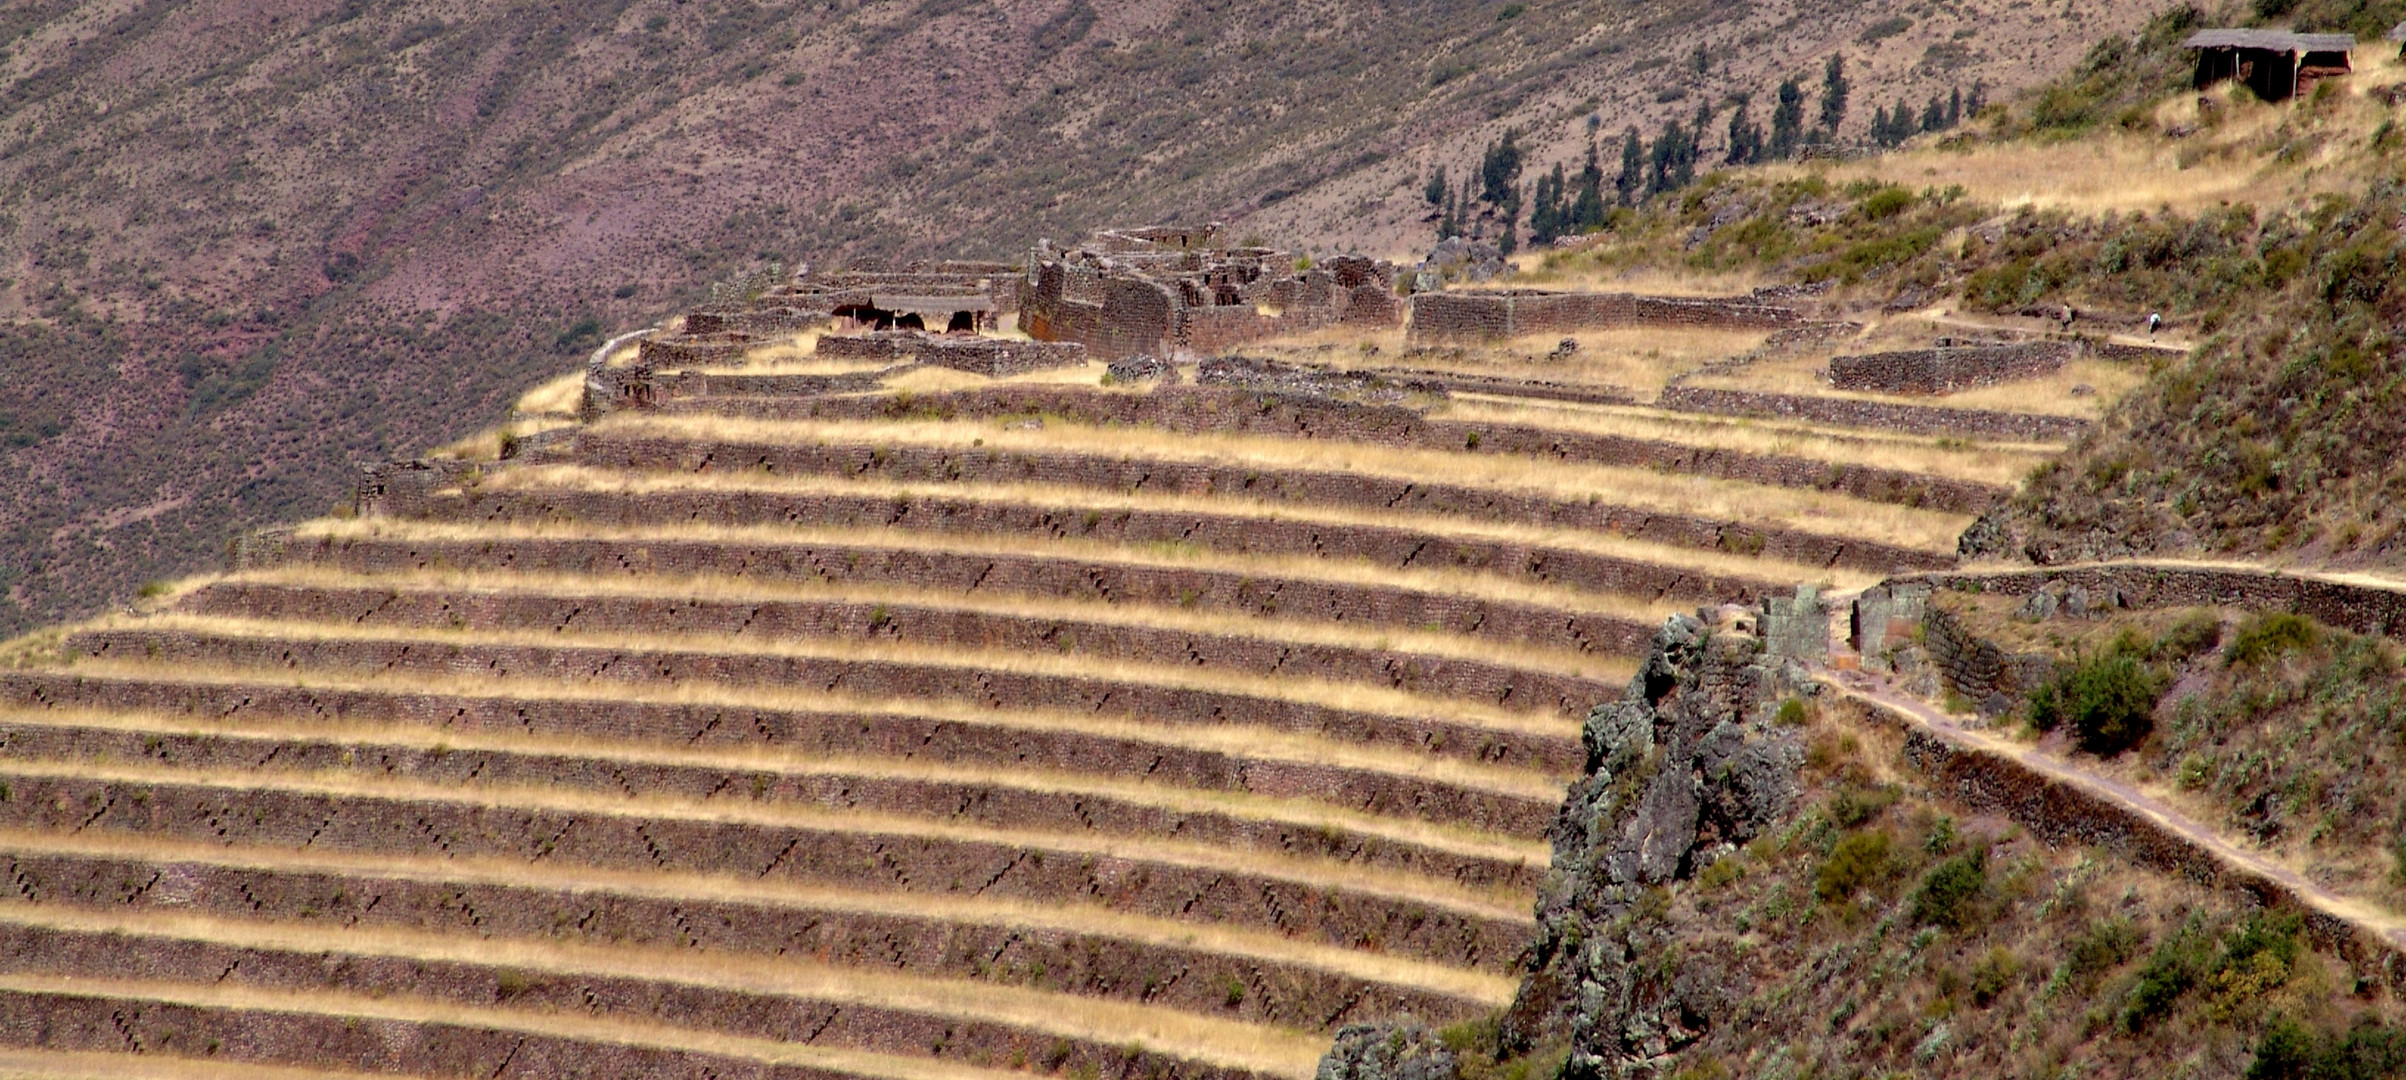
[[2269, 635], [1950, 895], [1860, 859], [2108, 700]]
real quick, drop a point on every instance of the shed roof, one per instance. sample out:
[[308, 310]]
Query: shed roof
[[2275, 40]]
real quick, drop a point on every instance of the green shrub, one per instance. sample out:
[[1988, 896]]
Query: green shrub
[[1886, 203], [1853, 806], [2109, 700], [1860, 859], [1792, 713], [2289, 1050], [1950, 894], [2268, 635], [2193, 635], [2171, 970]]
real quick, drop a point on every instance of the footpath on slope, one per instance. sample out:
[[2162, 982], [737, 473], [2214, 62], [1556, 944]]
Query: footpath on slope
[[2178, 842]]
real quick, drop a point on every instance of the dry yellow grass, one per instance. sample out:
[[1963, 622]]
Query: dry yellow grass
[[1104, 1021], [1362, 697], [1963, 459], [1304, 814], [556, 397], [1235, 740], [2111, 169], [1449, 582], [1498, 904], [932, 378], [1062, 916], [1802, 510], [1636, 359], [1191, 620]]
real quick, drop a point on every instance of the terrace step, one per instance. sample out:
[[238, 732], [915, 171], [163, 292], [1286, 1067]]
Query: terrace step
[[23, 1063], [785, 999], [919, 456], [1073, 947], [1548, 557], [327, 1030], [1214, 409], [569, 605], [1313, 899], [1052, 803], [1151, 693], [1406, 785], [1437, 601]]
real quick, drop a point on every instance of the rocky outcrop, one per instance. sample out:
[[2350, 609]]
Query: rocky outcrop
[[1690, 763], [1387, 1050]]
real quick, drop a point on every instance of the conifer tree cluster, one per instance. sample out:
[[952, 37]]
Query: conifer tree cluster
[[1891, 126]]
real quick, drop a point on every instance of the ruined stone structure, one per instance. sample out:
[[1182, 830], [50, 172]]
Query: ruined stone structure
[[1946, 370], [1507, 313], [2276, 64], [992, 357], [1174, 292]]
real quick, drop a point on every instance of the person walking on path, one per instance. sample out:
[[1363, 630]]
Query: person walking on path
[[2155, 322]]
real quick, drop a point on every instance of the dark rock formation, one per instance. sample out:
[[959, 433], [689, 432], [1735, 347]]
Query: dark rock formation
[[1685, 767], [1387, 1050]]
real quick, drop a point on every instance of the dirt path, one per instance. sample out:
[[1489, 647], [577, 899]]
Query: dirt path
[[2365, 917]]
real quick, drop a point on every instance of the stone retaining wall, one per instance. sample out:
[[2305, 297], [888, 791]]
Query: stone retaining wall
[[1947, 370], [1512, 313], [1070, 575], [931, 626], [832, 731], [1996, 682], [766, 322], [1850, 412], [1049, 810], [869, 677], [1235, 533], [1122, 474], [991, 357], [745, 1013], [2063, 814], [1086, 964], [2362, 608], [1214, 409], [471, 826]]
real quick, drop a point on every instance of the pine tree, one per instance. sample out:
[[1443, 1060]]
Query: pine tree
[[1435, 192], [1787, 120], [1632, 182], [1509, 242], [1499, 170], [1833, 94], [1587, 211], [1548, 217], [1745, 139], [1879, 124], [1955, 107], [1703, 123], [1976, 100], [1934, 118]]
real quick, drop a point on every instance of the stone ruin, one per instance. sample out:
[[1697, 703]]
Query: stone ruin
[[1178, 292], [930, 295], [1509, 313]]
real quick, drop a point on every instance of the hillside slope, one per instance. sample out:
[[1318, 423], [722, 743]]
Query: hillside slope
[[244, 245]]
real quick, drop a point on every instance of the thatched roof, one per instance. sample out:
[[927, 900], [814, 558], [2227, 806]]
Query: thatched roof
[[2274, 40]]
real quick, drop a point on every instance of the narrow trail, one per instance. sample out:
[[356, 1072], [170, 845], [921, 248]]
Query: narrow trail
[[1881, 693]]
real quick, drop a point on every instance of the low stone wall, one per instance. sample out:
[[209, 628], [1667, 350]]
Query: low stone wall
[[766, 322], [1512, 313], [1947, 370], [992, 357], [402, 488], [696, 350], [497, 905], [1540, 389], [717, 841], [1395, 546], [831, 731], [868, 677], [2362, 608], [939, 627], [1996, 682], [1219, 409], [1118, 473], [1850, 412], [1072, 575], [1055, 811]]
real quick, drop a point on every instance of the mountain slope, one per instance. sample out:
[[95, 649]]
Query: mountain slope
[[244, 245]]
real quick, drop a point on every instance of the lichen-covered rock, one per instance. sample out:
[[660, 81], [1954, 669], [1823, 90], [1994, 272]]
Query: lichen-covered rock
[[1689, 764], [1387, 1050]]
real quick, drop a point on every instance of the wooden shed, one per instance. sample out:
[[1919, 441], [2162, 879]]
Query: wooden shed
[[2276, 64]]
